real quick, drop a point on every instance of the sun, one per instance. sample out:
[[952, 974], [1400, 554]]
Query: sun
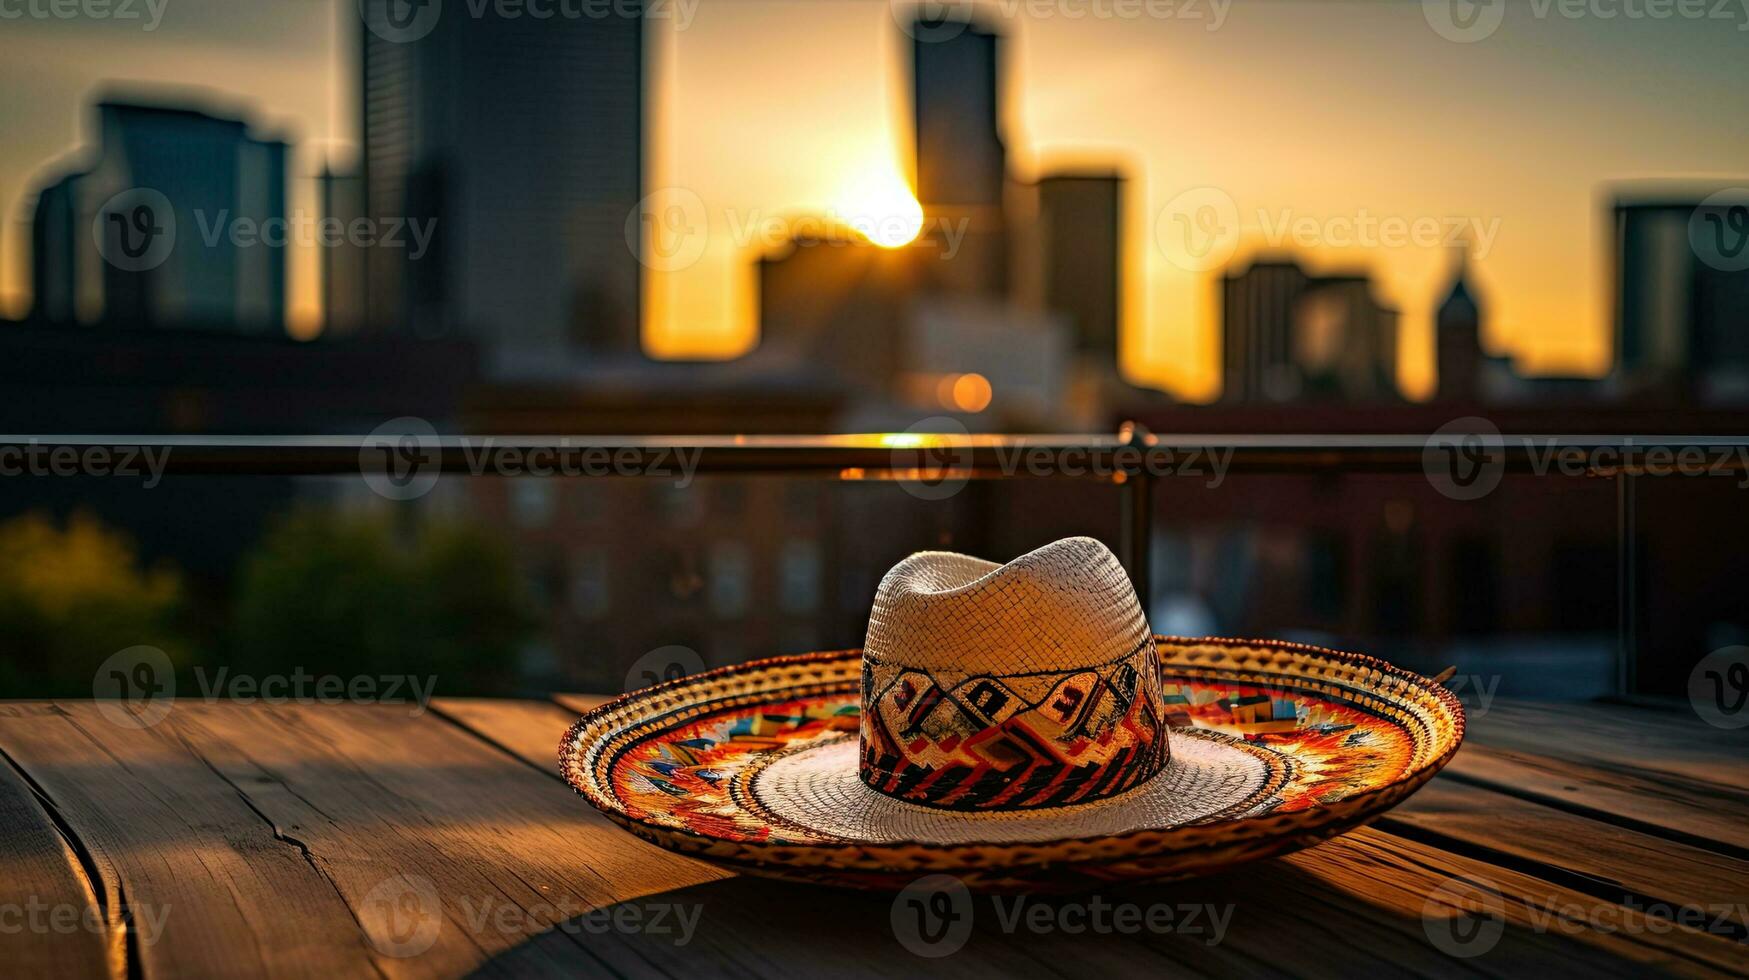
[[884, 211]]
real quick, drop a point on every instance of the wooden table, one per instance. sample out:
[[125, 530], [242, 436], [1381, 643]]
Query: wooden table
[[352, 840]]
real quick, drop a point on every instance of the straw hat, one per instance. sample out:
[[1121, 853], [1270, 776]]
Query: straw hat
[[1019, 726]]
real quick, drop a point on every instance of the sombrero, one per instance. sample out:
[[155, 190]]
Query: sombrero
[[1020, 727]]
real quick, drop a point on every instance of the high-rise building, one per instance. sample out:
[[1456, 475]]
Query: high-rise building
[[961, 164], [1080, 232], [1680, 297], [1256, 330], [223, 258], [957, 100], [345, 262], [521, 137], [1457, 329], [1289, 336], [1345, 341]]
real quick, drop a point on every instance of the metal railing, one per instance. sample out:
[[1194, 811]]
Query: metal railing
[[1132, 458]]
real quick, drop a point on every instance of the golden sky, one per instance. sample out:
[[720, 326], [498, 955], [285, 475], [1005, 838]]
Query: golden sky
[[1305, 115]]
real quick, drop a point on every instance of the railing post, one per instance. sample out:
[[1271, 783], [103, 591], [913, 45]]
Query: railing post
[[1137, 525], [1627, 586]]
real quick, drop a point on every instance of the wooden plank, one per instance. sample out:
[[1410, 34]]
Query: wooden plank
[[528, 730], [327, 840], [1321, 913], [1618, 737], [580, 703], [167, 833], [1701, 814], [417, 823], [1598, 858], [52, 923]]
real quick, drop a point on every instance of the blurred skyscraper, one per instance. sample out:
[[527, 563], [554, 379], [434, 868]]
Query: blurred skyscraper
[[101, 249], [521, 136], [345, 263], [961, 164], [1288, 336], [1682, 286], [1458, 338], [1081, 230]]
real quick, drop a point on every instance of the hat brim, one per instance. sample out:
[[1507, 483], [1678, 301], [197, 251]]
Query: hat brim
[[1275, 746]]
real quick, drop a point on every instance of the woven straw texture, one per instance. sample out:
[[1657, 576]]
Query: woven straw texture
[[994, 688]]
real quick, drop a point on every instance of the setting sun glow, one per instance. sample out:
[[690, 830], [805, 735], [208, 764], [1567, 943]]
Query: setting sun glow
[[883, 210]]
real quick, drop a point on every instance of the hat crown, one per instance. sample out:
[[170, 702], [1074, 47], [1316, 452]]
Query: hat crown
[[1067, 605], [992, 687]]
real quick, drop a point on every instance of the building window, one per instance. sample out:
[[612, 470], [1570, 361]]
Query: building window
[[798, 581], [531, 502], [731, 579], [589, 594]]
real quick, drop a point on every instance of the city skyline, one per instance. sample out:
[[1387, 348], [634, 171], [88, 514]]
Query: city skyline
[[1171, 316]]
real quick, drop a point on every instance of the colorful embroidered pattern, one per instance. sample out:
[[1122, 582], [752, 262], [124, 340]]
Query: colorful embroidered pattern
[[686, 777], [1013, 742]]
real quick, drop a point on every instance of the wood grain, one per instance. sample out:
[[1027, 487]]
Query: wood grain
[[1618, 737], [373, 840], [52, 922]]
